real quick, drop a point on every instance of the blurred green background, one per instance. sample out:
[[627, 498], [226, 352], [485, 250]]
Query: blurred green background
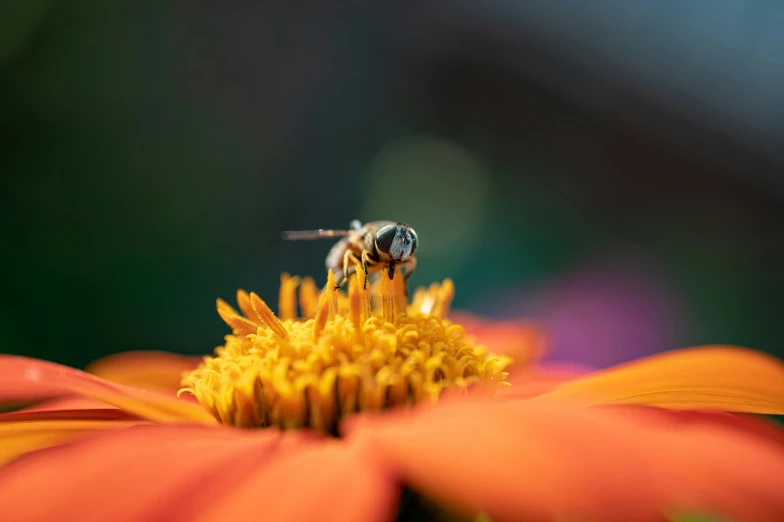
[[623, 187]]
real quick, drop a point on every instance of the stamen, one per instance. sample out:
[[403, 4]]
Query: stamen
[[308, 297], [344, 356], [399, 293], [444, 296], [364, 295], [323, 310], [428, 299], [332, 292], [419, 299], [265, 314], [243, 300], [287, 297], [238, 324], [387, 297], [354, 299]]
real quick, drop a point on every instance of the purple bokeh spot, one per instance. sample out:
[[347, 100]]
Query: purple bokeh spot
[[608, 311]]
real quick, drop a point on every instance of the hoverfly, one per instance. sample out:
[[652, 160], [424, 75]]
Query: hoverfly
[[375, 244]]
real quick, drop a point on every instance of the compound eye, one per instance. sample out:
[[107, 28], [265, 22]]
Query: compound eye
[[385, 237], [414, 240]]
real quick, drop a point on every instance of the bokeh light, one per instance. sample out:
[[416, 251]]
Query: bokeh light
[[438, 188]]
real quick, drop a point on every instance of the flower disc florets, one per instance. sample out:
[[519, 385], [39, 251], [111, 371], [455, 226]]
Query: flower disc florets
[[368, 350]]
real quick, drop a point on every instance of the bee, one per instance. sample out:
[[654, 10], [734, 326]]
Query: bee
[[376, 245]]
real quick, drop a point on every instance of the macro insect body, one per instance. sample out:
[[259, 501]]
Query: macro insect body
[[376, 245]]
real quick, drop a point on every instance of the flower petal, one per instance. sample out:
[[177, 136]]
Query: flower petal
[[511, 464], [27, 431], [328, 482], [76, 414], [25, 379], [554, 460], [71, 402], [144, 474], [720, 378], [160, 371], [533, 380], [716, 463], [747, 424], [522, 340]]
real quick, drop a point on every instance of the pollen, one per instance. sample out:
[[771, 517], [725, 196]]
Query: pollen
[[345, 352]]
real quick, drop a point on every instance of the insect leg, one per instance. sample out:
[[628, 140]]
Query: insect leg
[[344, 275]]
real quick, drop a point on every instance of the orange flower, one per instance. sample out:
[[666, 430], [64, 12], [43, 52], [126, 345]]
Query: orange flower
[[609, 446]]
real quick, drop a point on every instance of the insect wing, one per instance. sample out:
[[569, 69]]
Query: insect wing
[[298, 235]]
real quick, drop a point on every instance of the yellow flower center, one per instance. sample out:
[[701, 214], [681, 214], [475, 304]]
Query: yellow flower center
[[368, 349]]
